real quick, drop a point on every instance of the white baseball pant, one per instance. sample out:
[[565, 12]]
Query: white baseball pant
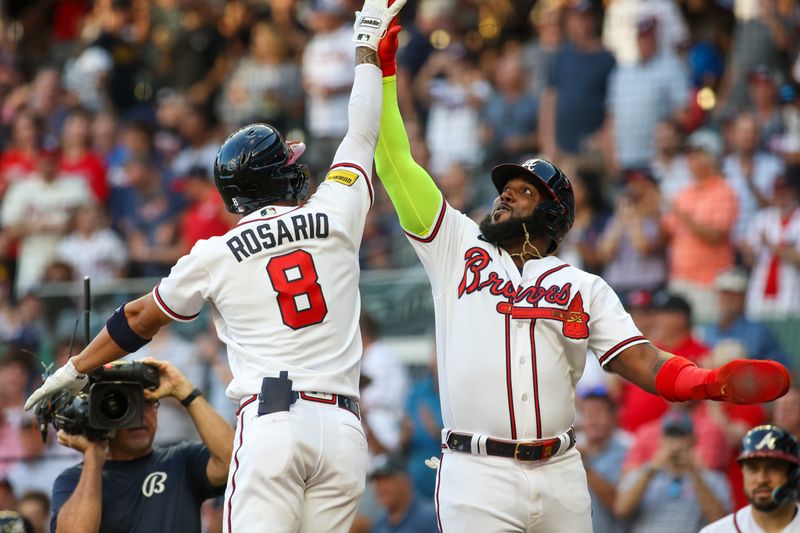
[[301, 470]]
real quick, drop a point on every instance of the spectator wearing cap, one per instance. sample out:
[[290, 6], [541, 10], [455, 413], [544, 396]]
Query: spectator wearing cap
[[673, 492], [700, 226], [670, 164], [763, 83], [632, 245], [670, 330], [36, 211], [327, 77], [42, 461], [773, 248], [756, 339], [640, 94], [572, 110], [403, 511], [619, 27], [603, 451], [92, 249], [750, 171]]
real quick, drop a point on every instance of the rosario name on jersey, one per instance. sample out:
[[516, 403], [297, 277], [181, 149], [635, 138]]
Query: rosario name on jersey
[[511, 346], [283, 288]]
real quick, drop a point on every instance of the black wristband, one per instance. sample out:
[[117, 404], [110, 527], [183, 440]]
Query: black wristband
[[192, 395]]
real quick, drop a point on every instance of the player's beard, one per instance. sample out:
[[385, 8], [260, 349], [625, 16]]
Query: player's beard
[[508, 232], [763, 504]]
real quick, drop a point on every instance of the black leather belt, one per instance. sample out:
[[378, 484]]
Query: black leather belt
[[332, 399], [537, 450]]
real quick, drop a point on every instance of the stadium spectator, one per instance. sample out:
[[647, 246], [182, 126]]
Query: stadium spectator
[[91, 249], [206, 216], [632, 245], [383, 397], [456, 184], [35, 506], [36, 211], [670, 329], [573, 105], [538, 53], [404, 512], [755, 339], [77, 160], [14, 378], [670, 165], [196, 128], [453, 89], [422, 430], [7, 498], [18, 160], [673, 492], [264, 86], [41, 462], [773, 248], [763, 89], [112, 488], [699, 227], [786, 413], [327, 74], [603, 451], [510, 116], [640, 94], [750, 171], [620, 27]]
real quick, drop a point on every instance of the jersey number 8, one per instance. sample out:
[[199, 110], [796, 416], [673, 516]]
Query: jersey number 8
[[300, 298]]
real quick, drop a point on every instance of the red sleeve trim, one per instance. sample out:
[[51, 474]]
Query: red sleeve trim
[[170, 312], [436, 226], [363, 172], [606, 357]]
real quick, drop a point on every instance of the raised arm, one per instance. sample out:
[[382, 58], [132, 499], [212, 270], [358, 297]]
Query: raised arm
[[415, 196]]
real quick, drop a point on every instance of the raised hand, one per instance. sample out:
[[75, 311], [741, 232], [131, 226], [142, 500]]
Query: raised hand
[[373, 21]]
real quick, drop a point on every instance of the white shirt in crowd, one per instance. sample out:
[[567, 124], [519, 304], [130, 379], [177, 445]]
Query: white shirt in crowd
[[619, 26], [766, 167], [37, 201], [385, 397], [328, 62], [99, 256]]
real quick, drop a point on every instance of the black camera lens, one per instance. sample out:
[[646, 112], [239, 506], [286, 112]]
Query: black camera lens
[[114, 406]]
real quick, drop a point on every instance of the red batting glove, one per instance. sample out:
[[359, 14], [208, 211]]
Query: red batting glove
[[740, 381], [387, 49]]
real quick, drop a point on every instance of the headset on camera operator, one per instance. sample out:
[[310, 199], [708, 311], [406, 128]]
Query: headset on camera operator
[[770, 463], [126, 485]]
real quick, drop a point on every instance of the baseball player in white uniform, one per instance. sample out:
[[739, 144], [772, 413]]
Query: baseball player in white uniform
[[513, 327], [769, 460], [283, 289]]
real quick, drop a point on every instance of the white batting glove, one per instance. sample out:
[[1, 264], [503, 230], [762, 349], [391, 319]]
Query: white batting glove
[[66, 377], [372, 21], [432, 463]]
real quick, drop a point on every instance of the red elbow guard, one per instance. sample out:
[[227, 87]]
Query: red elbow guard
[[680, 380]]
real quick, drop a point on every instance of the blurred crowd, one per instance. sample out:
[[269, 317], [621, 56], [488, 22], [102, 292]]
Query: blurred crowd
[[678, 122]]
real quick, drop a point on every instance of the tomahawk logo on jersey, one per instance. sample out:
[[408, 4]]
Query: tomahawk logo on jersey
[[544, 319], [302, 316]]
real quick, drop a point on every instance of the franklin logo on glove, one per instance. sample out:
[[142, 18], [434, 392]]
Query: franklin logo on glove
[[371, 22]]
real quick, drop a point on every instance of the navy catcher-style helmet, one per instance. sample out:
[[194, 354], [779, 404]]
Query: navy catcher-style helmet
[[769, 441], [554, 216], [255, 167]]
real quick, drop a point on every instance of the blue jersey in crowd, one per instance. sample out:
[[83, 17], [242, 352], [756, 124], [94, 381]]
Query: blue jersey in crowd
[[161, 491]]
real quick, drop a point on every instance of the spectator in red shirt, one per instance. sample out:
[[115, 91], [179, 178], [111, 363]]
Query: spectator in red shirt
[[206, 215], [19, 160], [670, 329], [77, 159]]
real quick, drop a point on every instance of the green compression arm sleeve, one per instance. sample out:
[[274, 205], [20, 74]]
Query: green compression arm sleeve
[[414, 194]]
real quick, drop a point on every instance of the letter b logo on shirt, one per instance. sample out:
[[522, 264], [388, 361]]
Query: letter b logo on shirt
[[154, 483]]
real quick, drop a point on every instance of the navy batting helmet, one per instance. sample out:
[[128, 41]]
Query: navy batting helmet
[[769, 441], [554, 216], [255, 167]]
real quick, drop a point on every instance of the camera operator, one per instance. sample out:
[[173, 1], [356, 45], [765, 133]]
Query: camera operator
[[126, 485], [770, 461]]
